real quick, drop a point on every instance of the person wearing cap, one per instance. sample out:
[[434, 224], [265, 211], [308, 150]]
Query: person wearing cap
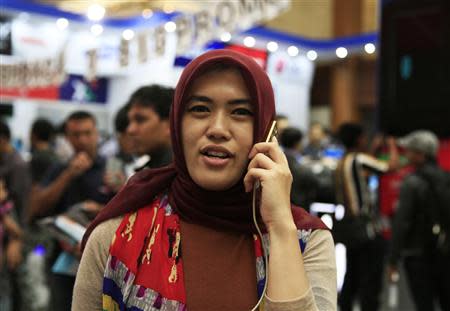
[[428, 275]]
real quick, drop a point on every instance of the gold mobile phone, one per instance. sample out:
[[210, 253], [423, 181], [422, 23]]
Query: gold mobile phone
[[272, 132]]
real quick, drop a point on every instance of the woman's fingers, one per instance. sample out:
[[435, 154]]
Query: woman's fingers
[[271, 149], [262, 161], [252, 176], [268, 161]]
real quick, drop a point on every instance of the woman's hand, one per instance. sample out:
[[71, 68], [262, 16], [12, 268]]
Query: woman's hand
[[269, 165]]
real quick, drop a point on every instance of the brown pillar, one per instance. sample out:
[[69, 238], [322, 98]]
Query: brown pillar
[[343, 93], [347, 22]]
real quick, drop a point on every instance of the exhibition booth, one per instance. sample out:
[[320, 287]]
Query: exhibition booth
[[54, 62]]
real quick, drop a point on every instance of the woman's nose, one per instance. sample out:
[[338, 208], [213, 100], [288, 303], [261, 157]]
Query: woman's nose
[[218, 127]]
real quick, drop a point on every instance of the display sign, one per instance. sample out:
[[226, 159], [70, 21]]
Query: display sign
[[74, 88], [77, 88], [37, 43], [260, 56]]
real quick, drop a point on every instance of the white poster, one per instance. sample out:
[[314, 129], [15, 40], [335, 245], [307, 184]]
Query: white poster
[[292, 79]]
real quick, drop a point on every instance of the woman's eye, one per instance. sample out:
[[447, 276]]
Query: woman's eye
[[243, 112], [198, 108]]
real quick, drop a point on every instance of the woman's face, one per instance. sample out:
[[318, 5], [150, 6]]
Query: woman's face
[[217, 129]]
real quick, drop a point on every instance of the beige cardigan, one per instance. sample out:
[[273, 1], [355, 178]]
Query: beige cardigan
[[319, 263]]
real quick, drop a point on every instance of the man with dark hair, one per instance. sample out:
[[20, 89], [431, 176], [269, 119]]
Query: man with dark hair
[[121, 163], [420, 228], [360, 228], [42, 154], [282, 123], [291, 138], [124, 140], [304, 183], [78, 182], [149, 127]]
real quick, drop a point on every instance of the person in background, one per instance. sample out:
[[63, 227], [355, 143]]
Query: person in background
[[360, 230], [81, 180], [10, 252], [182, 237], [304, 184], [316, 141], [62, 147], [427, 268], [42, 153], [38, 243], [121, 166], [14, 171], [282, 123], [16, 180], [149, 129], [125, 141]]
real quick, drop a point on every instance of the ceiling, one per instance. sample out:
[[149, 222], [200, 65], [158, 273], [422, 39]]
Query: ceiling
[[307, 18], [125, 8]]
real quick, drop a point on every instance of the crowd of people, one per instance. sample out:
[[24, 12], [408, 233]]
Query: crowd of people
[[168, 206]]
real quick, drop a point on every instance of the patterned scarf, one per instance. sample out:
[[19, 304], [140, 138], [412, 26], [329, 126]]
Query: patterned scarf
[[144, 270]]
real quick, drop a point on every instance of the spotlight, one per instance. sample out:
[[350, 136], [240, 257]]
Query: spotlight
[[225, 37], [370, 48], [128, 34], [95, 12], [249, 42], [97, 29], [170, 26], [312, 55], [62, 23], [292, 51], [272, 46], [341, 52]]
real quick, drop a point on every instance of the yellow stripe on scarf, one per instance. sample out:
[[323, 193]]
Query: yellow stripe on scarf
[[109, 304]]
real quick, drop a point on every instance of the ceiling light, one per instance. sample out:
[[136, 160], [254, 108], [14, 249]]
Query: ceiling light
[[225, 37], [95, 12], [249, 42], [97, 29], [147, 13], [128, 34], [370, 48], [292, 50], [170, 26], [62, 23], [272, 46], [341, 52], [312, 55]]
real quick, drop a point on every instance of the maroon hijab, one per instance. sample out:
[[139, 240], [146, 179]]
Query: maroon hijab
[[227, 210]]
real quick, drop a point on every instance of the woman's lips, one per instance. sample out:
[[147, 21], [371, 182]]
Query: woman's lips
[[215, 162], [216, 156]]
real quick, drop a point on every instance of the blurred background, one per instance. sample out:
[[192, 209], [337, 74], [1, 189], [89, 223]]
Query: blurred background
[[381, 63]]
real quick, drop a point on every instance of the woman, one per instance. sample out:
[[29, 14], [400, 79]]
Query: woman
[[182, 237]]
